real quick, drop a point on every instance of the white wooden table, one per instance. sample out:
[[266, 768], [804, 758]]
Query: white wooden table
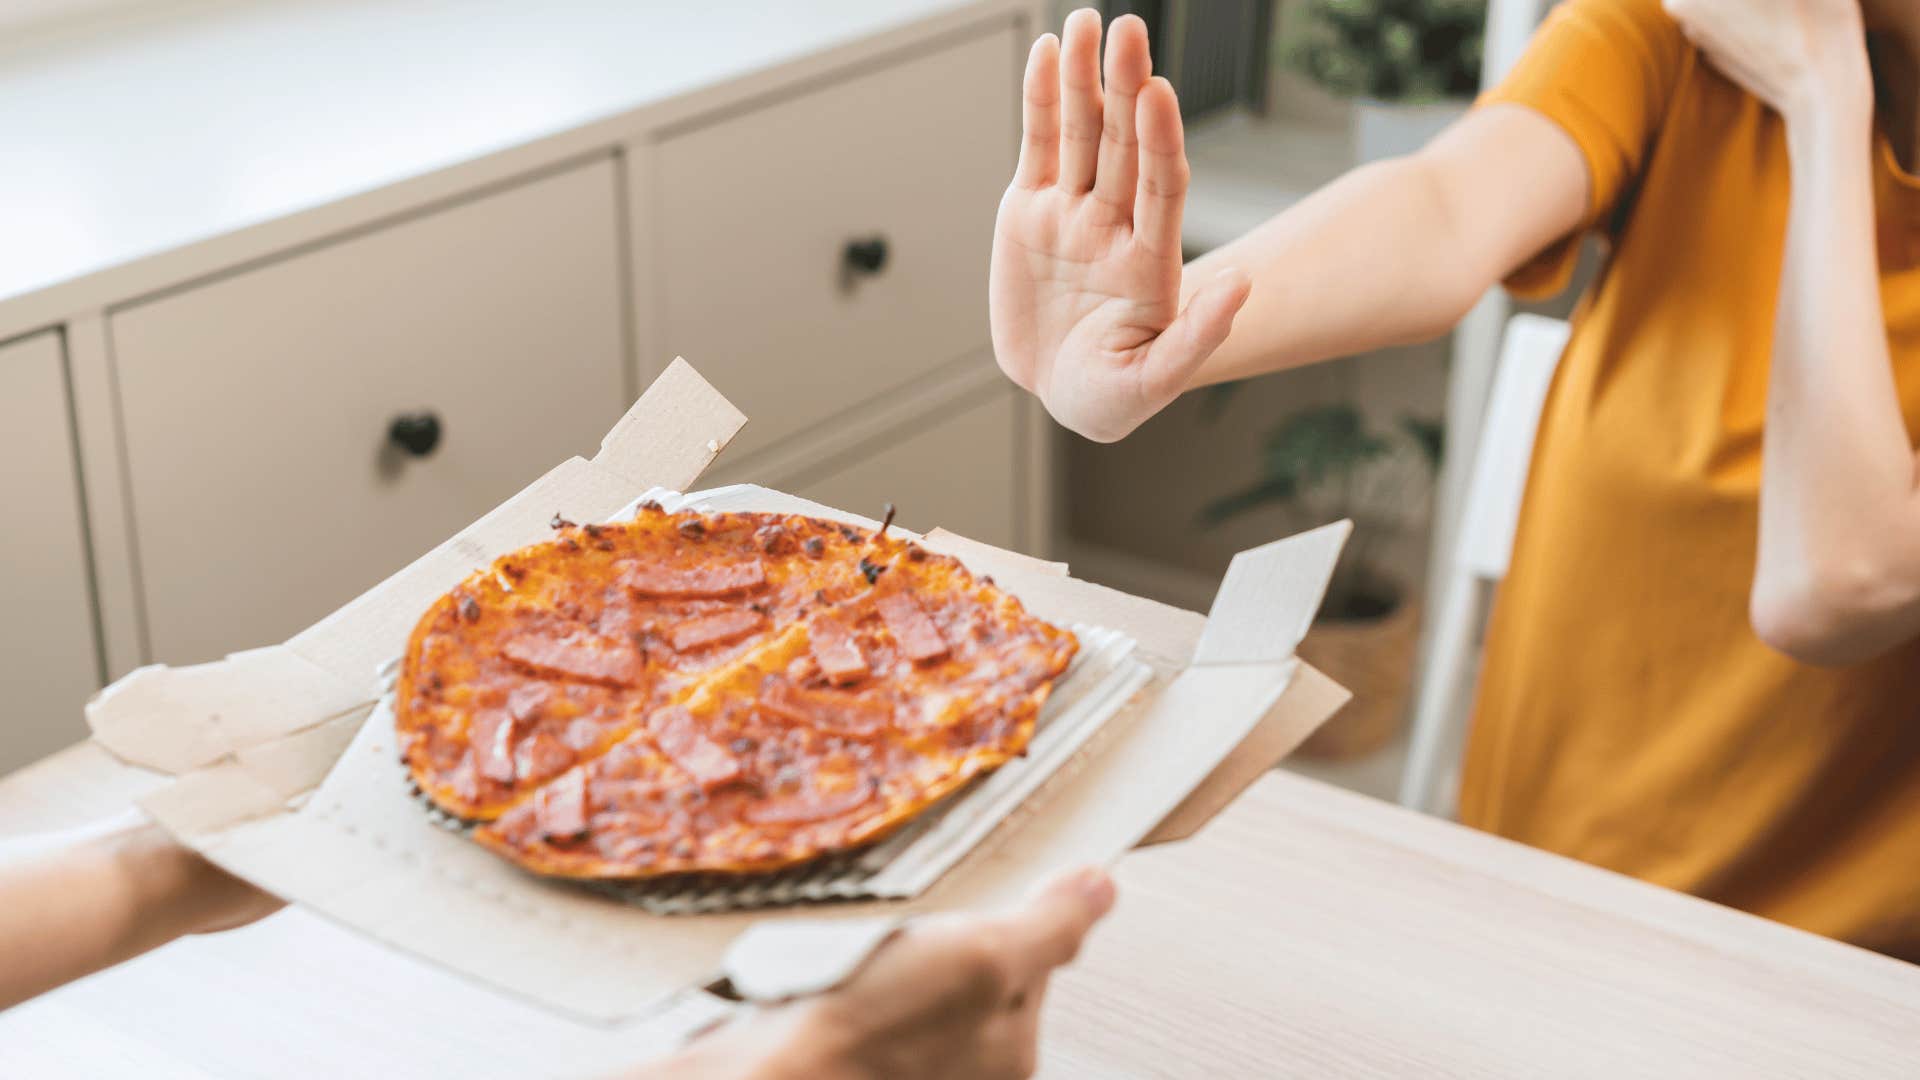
[[1305, 932]]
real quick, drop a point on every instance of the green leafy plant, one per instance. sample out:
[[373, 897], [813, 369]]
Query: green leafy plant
[[1393, 50], [1325, 463]]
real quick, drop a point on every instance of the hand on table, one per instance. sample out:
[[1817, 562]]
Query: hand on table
[[953, 996], [1084, 289]]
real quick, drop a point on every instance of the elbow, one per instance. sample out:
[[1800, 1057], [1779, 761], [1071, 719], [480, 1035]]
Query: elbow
[[1830, 612]]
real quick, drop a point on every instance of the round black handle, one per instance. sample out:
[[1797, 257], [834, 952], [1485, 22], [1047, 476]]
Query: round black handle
[[417, 433], [867, 256]]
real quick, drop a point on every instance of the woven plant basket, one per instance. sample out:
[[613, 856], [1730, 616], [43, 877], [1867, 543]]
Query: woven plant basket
[[1374, 659]]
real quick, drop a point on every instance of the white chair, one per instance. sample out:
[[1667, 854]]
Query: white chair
[[1528, 355]]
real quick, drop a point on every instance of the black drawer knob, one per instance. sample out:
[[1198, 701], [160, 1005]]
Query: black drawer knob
[[867, 256], [417, 433]]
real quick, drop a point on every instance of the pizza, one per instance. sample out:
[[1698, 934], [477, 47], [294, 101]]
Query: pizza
[[731, 693]]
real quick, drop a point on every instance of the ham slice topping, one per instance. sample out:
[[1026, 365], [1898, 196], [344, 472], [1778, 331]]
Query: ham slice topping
[[715, 629], [562, 808], [919, 639], [492, 742], [712, 579], [833, 648], [576, 655], [835, 712], [810, 804], [681, 739]]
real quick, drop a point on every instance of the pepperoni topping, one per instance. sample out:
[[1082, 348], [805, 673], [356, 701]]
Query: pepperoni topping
[[833, 648], [709, 580], [680, 738], [919, 639], [575, 655], [715, 629]]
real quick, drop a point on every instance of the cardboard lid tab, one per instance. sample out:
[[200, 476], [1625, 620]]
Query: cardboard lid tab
[[178, 719], [1269, 597], [673, 432]]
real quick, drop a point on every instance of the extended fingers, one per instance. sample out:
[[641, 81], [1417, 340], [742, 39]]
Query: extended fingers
[[1128, 65], [1040, 115], [1047, 932], [1080, 100], [1163, 169]]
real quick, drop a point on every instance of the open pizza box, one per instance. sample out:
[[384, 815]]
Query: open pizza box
[[282, 777]]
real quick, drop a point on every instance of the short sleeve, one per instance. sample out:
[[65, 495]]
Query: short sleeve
[[1604, 71]]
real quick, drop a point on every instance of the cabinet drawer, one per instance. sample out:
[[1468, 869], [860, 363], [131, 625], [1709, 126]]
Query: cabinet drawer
[[958, 468], [756, 214], [267, 485], [48, 657]]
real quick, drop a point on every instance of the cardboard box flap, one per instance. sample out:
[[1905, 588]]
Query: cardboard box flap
[[969, 550], [777, 961], [672, 433], [1269, 597], [255, 781], [178, 719]]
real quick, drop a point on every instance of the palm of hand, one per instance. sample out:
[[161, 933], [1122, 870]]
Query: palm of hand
[[1085, 281], [1069, 280]]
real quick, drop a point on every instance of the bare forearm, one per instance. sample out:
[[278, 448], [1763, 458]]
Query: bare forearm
[[71, 911], [1837, 578], [1398, 251], [1352, 267]]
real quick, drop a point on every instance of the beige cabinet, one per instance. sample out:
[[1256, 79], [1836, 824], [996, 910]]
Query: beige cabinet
[[959, 468], [296, 431], [825, 249], [49, 659]]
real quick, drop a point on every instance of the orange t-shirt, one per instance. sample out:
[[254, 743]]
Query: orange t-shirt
[[1627, 714]]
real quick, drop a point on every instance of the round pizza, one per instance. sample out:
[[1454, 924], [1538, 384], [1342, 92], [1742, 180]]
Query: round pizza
[[714, 692]]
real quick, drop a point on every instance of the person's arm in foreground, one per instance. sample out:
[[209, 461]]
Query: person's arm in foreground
[[1838, 577], [69, 909], [954, 996], [1091, 310]]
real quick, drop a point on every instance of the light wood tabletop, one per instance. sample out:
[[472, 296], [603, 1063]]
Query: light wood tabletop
[[1305, 932]]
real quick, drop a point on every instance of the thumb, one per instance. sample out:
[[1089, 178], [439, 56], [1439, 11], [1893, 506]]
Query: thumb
[[1182, 347], [1047, 932]]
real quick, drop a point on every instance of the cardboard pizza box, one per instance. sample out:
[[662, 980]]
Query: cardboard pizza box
[[264, 783]]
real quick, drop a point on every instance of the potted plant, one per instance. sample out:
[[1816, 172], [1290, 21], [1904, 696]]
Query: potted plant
[[1410, 66], [1323, 464]]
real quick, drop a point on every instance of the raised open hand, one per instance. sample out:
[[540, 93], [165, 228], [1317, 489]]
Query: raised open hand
[[1085, 283]]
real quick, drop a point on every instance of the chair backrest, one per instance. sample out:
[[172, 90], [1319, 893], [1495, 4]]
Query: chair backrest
[[1528, 356]]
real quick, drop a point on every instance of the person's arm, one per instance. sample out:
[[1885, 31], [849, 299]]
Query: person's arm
[[72, 908], [1091, 310], [1837, 578], [957, 997], [952, 996]]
